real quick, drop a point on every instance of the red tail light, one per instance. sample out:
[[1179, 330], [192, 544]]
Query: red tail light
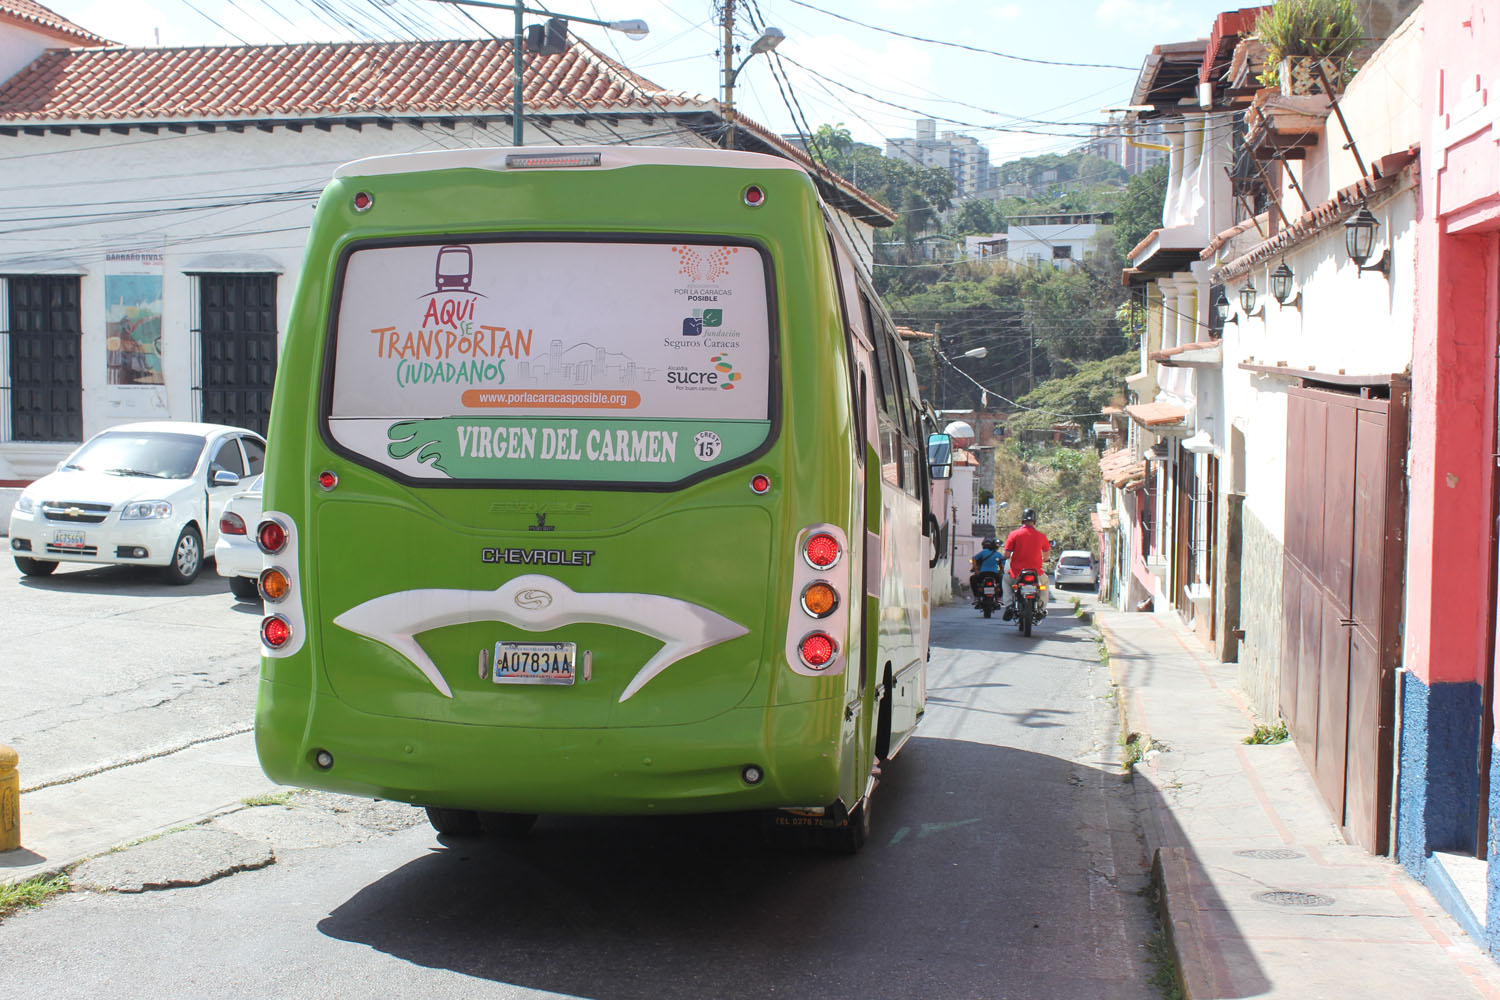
[[822, 550], [231, 524], [274, 631], [818, 649], [271, 536]]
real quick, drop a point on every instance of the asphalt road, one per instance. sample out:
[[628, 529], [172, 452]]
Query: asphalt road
[[104, 665], [1005, 862]]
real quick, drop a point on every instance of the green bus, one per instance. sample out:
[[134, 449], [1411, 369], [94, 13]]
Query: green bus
[[596, 484]]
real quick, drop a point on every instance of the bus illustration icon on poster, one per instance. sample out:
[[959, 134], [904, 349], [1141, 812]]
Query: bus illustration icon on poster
[[455, 268]]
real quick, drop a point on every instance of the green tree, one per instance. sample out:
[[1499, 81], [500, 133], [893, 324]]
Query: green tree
[[1077, 397], [1138, 210]]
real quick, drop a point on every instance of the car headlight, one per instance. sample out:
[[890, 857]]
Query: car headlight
[[145, 510], [25, 505]]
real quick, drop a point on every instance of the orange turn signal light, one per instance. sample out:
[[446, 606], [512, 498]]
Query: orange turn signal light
[[274, 584], [819, 599]]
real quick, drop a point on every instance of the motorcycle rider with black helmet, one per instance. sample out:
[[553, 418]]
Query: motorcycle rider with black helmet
[[986, 560], [1025, 548]]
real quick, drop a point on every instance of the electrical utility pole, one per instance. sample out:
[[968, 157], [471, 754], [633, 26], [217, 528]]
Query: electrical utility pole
[[729, 73]]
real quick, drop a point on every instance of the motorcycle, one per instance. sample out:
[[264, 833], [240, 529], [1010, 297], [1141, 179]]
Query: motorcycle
[[988, 595], [1030, 600]]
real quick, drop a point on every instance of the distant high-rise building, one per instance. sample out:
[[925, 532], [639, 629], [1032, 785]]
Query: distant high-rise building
[[960, 155], [1130, 144]]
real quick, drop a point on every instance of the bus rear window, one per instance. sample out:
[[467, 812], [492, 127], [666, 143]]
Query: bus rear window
[[567, 361]]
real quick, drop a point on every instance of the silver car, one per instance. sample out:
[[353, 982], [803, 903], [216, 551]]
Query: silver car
[[1075, 567]]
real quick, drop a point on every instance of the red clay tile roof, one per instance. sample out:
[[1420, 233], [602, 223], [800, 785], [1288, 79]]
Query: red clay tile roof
[[258, 81], [1121, 469], [35, 16], [1156, 414], [462, 77], [1172, 353]]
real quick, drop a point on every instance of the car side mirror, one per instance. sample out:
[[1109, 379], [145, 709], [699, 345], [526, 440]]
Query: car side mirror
[[223, 477]]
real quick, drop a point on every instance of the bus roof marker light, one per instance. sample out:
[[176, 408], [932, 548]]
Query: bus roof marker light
[[363, 201], [328, 479], [755, 196], [760, 483], [531, 161]]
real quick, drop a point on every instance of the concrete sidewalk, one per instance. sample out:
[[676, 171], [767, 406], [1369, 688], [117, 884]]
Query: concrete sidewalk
[[1262, 896], [65, 823]]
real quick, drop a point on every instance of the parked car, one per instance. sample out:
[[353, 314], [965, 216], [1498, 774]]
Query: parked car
[[236, 556], [1076, 566], [148, 493]]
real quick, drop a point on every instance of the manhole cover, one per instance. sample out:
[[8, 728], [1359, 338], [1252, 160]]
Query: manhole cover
[[1284, 897], [1269, 853]]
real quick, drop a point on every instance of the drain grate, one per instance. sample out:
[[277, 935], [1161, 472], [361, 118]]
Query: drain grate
[[1269, 853], [1286, 897]]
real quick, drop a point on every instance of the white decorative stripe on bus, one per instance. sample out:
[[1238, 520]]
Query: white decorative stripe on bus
[[538, 603], [872, 564]]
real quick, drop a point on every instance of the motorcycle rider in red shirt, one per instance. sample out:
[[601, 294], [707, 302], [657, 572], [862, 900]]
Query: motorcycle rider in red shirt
[[1025, 548]]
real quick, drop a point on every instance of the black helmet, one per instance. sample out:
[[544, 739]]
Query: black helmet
[[1028, 516], [990, 543]]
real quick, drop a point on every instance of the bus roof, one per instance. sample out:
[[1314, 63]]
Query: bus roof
[[610, 158]]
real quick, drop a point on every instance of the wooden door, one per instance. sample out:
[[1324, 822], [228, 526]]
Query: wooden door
[[1342, 575]]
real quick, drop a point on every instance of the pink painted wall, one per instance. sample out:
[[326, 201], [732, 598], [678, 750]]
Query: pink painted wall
[[1449, 573]]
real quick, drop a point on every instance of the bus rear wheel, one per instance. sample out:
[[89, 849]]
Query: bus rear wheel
[[453, 822], [851, 836]]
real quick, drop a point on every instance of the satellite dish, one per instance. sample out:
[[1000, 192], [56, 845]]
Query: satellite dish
[[961, 433]]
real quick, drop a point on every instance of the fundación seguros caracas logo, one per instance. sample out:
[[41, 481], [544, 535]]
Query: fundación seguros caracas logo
[[701, 319]]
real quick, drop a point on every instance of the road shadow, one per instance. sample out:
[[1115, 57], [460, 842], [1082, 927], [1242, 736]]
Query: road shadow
[[142, 581], [977, 882]]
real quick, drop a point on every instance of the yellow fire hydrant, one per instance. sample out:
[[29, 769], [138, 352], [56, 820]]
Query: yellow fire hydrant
[[10, 800]]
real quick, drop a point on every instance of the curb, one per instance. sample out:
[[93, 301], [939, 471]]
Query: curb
[[52, 869], [1172, 868]]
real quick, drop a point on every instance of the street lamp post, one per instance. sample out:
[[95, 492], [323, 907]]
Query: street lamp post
[[634, 29], [768, 40]]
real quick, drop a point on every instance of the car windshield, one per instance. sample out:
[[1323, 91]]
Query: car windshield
[[153, 454], [1077, 561]]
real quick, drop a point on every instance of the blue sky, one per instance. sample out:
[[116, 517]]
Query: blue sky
[[873, 81]]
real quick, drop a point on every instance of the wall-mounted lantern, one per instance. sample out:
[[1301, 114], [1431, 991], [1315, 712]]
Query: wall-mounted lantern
[[1359, 240], [1247, 297], [1283, 283], [1223, 309]]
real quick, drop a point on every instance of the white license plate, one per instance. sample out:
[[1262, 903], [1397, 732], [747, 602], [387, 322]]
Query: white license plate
[[534, 662], [989, 589], [1028, 590], [69, 539]]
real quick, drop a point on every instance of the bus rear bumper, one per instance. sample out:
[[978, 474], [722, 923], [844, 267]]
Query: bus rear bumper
[[693, 768]]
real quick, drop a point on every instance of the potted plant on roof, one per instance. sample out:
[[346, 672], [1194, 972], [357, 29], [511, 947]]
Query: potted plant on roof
[[1302, 34]]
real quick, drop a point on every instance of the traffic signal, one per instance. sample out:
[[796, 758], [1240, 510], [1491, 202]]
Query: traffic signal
[[550, 39]]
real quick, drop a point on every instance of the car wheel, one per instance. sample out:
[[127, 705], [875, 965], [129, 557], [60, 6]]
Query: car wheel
[[35, 567], [246, 588], [187, 557]]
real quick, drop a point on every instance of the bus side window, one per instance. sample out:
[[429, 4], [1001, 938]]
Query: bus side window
[[889, 398]]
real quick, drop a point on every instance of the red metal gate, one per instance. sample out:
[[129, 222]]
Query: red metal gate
[[1342, 576]]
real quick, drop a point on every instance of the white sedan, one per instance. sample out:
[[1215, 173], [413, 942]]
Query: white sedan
[[148, 493], [1076, 566], [236, 555]]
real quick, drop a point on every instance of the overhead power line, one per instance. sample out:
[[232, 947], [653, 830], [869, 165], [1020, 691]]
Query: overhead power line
[[960, 45]]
